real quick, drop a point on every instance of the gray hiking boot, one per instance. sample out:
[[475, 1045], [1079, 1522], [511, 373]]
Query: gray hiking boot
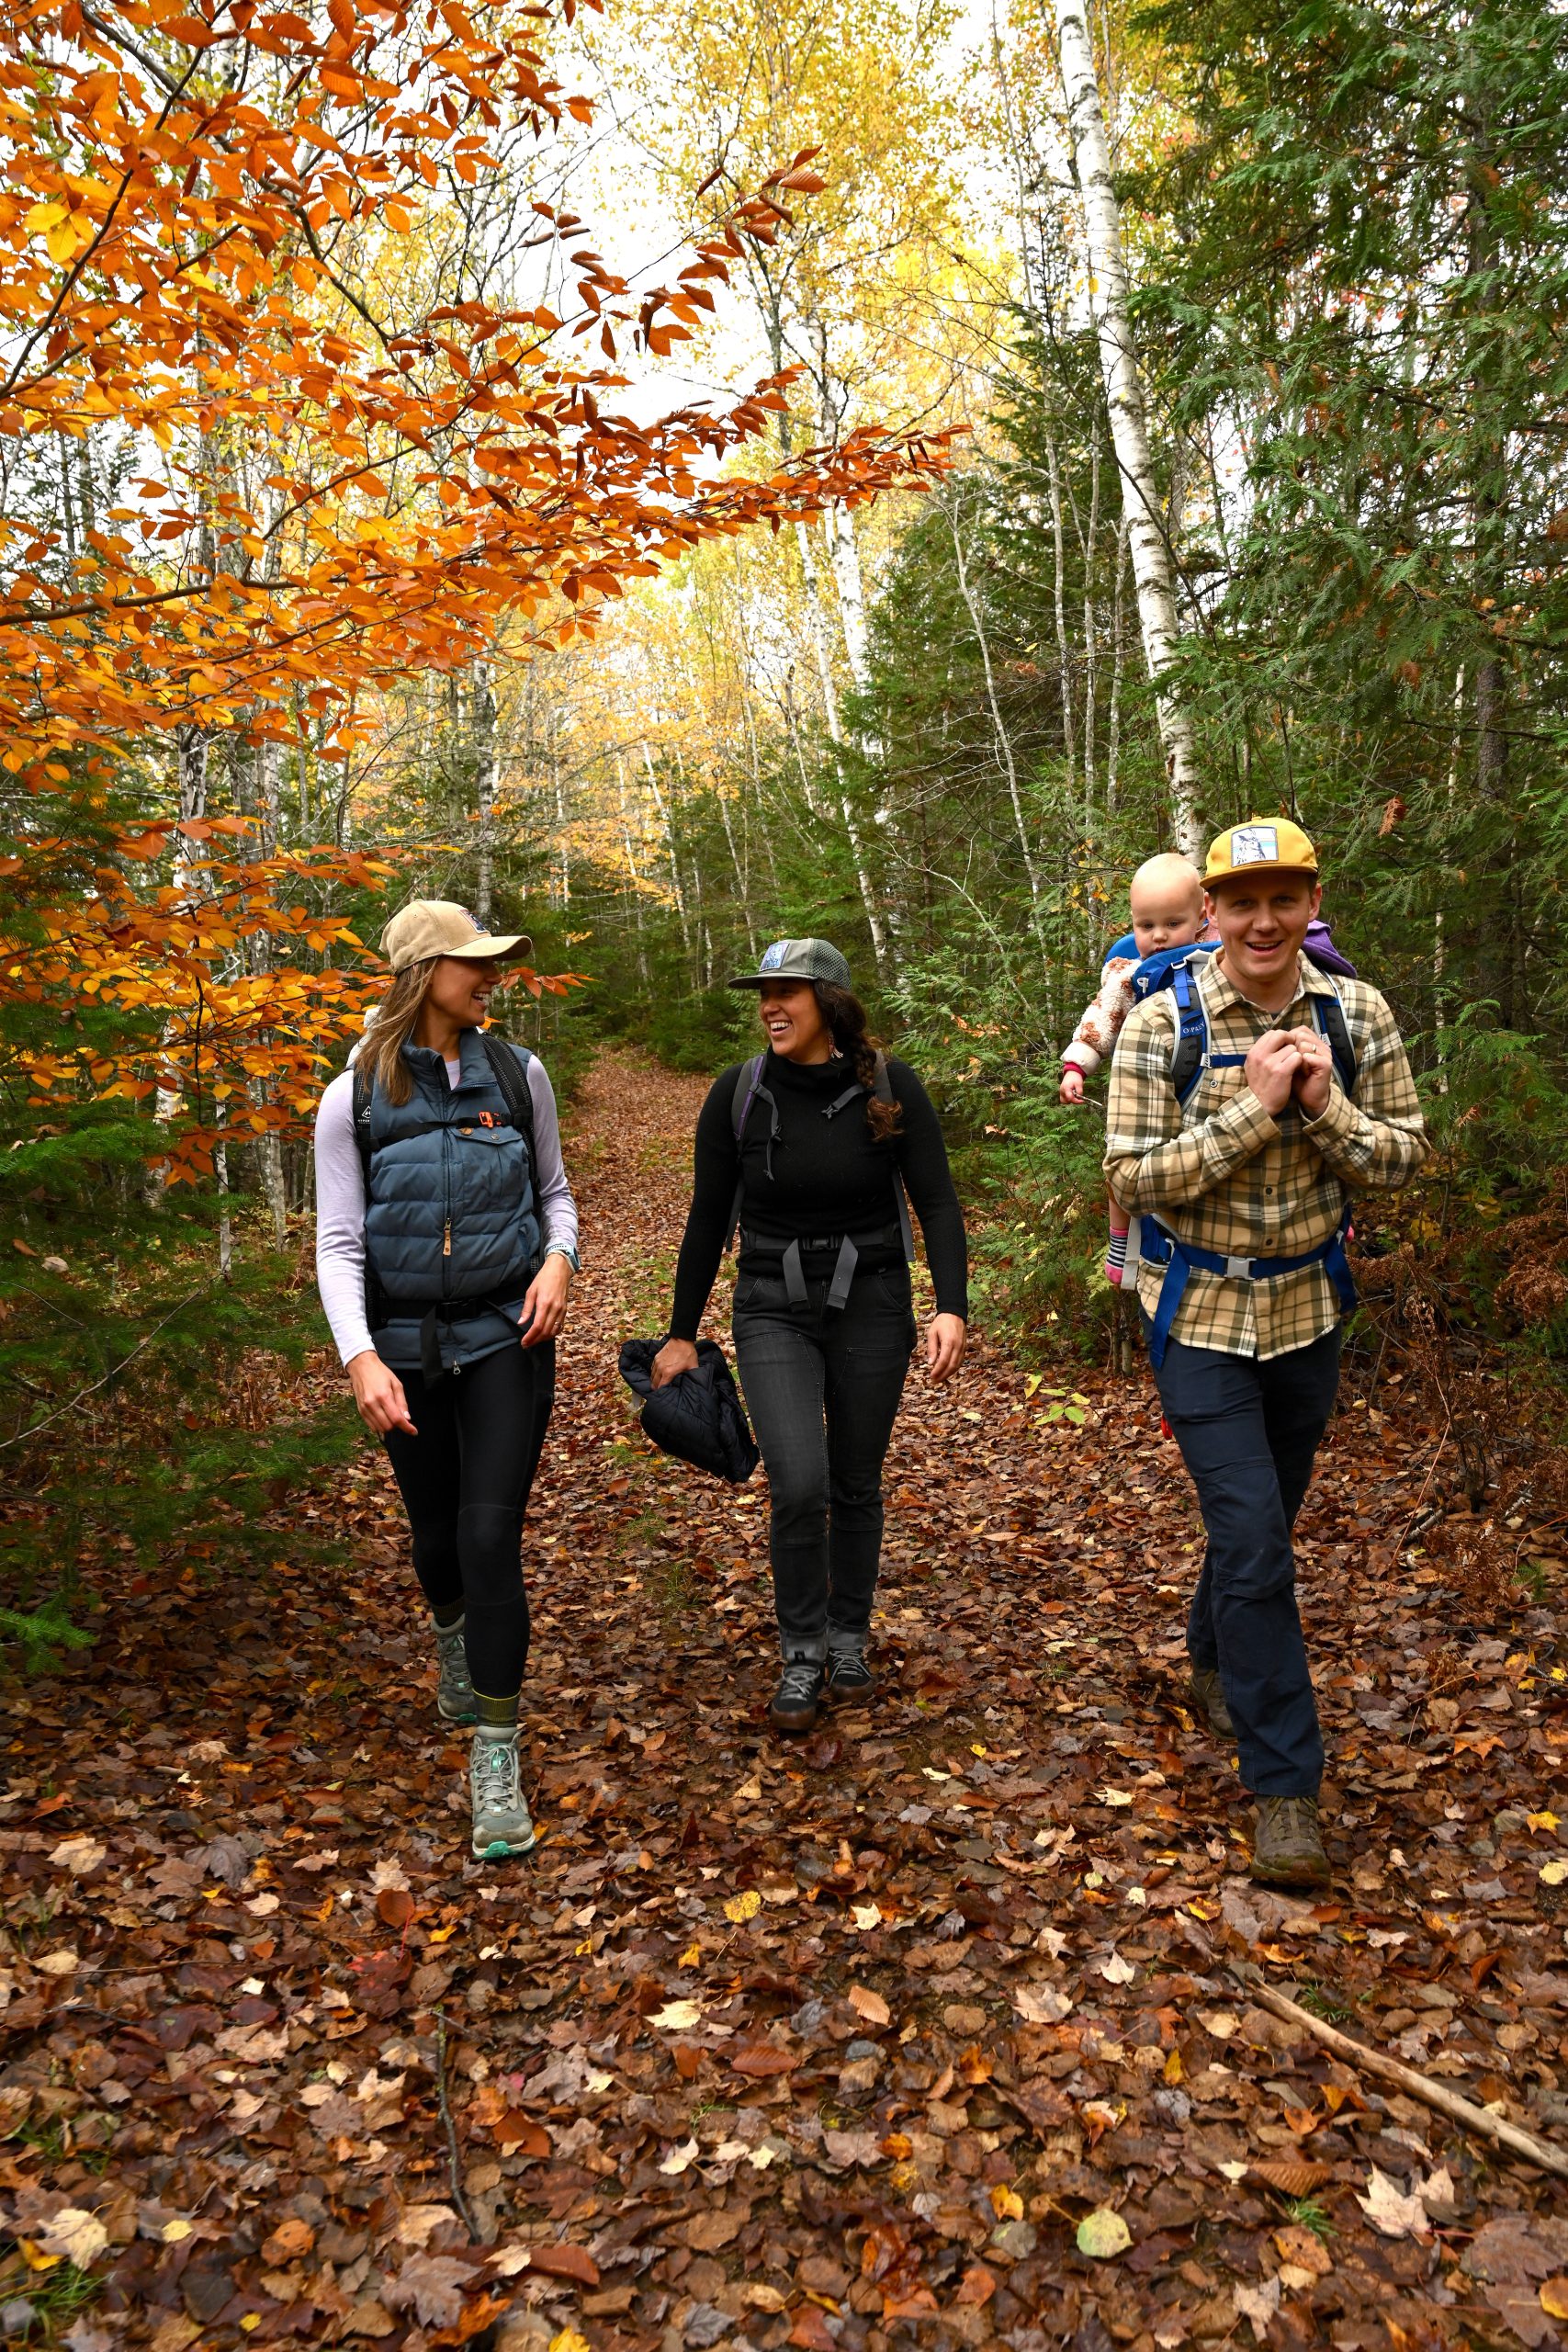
[[1208, 1696], [454, 1692], [502, 1823], [1287, 1850], [793, 1704]]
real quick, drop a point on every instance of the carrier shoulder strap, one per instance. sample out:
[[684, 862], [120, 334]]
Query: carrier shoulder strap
[[1189, 1054], [1329, 1013]]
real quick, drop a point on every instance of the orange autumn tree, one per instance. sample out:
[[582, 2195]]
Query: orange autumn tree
[[309, 496]]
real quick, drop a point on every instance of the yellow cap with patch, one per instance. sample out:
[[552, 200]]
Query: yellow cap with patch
[[1270, 844]]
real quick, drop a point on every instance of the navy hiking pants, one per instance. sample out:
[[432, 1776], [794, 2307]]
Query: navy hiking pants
[[1249, 1431]]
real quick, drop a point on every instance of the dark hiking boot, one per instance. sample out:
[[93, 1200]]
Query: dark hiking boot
[[1287, 1850], [848, 1676], [1208, 1698], [454, 1692], [795, 1703]]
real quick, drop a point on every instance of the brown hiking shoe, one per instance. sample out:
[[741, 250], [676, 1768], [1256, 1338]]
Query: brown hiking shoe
[[1286, 1848], [1208, 1696]]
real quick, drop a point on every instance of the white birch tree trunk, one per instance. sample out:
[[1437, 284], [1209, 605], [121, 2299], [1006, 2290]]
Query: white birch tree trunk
[[818, 620], [844, 554], [1152, 571]]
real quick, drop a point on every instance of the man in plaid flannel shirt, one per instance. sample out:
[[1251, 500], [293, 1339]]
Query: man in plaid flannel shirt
[[1242, 1192]]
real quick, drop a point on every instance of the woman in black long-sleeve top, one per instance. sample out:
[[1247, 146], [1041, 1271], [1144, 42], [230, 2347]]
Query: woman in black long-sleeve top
[[824, 1322]]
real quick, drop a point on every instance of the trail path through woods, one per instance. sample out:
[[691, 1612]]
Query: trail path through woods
[[836, 2043]]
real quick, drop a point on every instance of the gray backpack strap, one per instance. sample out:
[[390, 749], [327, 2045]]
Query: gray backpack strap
[[748, 1085], [883, 1092]]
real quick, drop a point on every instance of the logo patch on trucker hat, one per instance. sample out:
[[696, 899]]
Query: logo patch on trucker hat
[[1255, 846], [779, 953]]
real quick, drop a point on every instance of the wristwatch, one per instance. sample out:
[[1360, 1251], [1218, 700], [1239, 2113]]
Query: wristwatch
[[564, 1250]]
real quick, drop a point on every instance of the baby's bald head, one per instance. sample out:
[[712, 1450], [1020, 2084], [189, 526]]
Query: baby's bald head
[[1167, 902]]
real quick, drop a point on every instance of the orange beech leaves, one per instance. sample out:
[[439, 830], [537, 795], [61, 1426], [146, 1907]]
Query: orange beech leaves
[[324, 495], [180, 185]]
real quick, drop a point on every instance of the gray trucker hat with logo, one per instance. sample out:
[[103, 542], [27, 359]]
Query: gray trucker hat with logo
[[798, 959]]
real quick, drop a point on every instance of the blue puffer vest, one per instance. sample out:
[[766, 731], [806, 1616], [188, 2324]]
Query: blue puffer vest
[[451, 1224]]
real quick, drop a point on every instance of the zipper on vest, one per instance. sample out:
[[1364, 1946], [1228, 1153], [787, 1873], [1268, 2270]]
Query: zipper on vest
[[447, 1238]]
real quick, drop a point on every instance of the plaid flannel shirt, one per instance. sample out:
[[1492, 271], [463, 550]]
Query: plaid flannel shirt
[[1225, 1175]]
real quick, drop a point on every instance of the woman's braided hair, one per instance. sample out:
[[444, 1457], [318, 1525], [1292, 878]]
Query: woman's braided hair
[[845, 1017]]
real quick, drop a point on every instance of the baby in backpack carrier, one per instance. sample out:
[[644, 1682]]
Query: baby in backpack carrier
[[1169, 914], [1166, 901]]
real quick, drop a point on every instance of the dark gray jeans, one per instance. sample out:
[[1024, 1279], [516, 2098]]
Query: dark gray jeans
[[822, 1385]]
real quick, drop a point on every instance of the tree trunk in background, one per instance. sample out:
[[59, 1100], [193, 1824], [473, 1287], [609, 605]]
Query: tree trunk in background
[[484, 779], [1090, 634], [1152, 569], [636, 880], [1489, 512], [817, 618], [1005, 758], [838, 526], [667, 820], [1118, 659], [269, 1147], [1059, 555]]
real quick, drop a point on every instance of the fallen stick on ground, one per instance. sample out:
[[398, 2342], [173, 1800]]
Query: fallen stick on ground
[[454, 2159], [1478, 2120]]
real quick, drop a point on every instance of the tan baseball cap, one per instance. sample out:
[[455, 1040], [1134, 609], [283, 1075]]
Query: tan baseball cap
[[428, 927]]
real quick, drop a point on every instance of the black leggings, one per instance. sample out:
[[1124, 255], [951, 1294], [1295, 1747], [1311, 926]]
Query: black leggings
[[465, 1481]]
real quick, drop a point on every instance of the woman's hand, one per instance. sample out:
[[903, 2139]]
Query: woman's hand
[[945, 1346], [546, 1300], [379, 1393], [674, 1357]]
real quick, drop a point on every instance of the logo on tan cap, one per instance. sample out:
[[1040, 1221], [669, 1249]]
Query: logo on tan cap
[[1259, 846], [429, 927]]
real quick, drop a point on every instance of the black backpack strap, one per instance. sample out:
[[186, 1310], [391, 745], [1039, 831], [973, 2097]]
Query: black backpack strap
[[1332, 1025], [376, 1308], [748, 1086], [1189, 1052], [509, 1067], [883, 1089], [362, 1122]]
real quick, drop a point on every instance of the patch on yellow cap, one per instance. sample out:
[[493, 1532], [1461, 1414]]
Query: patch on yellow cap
[[1266, 844]]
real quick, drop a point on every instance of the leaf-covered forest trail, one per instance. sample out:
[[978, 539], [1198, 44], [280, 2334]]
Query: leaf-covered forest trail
[[834, 2043]]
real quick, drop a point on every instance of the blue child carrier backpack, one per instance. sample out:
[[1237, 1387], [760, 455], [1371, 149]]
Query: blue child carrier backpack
[[1178, 969]]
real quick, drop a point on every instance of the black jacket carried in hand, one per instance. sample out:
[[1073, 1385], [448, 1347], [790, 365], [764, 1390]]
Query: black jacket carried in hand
[[698, 1415]]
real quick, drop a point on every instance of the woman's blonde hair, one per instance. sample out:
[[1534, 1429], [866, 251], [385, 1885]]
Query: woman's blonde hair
[[396, 1019]]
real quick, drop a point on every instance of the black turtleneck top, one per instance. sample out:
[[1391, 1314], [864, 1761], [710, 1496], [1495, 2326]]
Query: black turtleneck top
[[828, 1176]]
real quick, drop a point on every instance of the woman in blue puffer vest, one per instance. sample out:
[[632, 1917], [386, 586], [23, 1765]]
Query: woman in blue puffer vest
[[447, 1242]]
